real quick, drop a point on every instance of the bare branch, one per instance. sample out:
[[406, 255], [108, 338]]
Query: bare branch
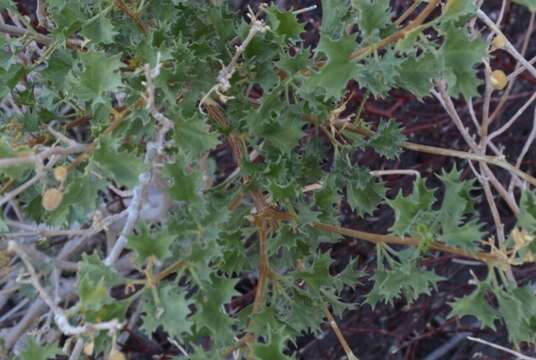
[[40, 157], [154, 150], [513, 119], [395, 172], [59, 316], [40, 38], [257, 26], [331, 320], [518, 354]]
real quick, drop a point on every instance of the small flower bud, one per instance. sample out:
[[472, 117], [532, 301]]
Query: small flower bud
[[498, 79], [499, 41], [89, 348], [51, 199], [60, 173]]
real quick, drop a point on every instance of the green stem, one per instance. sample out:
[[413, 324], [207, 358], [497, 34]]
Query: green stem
[[408, 241]]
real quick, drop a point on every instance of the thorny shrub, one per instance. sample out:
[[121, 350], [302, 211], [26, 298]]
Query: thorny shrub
[[116, 212]]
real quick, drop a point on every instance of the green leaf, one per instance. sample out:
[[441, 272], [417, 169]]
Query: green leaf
[[406, 280], [273, 348], [187, 184], [476, 305], [95, 282], [416, 74], [318, 275], [284, 134], [261, 54], [306, 216], [58, 66], [518, 310], [10, 79], [6, 151], [333, 14], [333, 76], [454, 9], [460, 55], [267, 113], [348, 276], [66, 15], [364, 192], [8, 58], [319, 279], [202, 255], [3, 225], [265, 319], [100, 30], [388, 139], [79, 200], [146, 244], [413, 209], [100, 75], [515, 315], [93, 295], [284, 23], [457, 202], [193, 136], [379, 75], [293, 65], [530, 4], [283, 192], [93, 268], [222, 21], [122, 166], [409, 40], [210, 314], [372, 16], [172, 311], [526, 218], [34, 351], [114, 309], [465, 236], [300, 311], [7, 4]]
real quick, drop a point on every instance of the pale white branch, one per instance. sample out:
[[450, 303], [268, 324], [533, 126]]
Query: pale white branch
[[410, 172], [226, 73], [513, 119], [59, 316], [499, 347], [40, 157], [152, 150]]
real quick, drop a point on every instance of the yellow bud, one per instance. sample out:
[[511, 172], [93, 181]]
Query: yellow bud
[[51, 199], [60, 173], [116, 355], [499, 41], [498, 79], [88, 348]]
